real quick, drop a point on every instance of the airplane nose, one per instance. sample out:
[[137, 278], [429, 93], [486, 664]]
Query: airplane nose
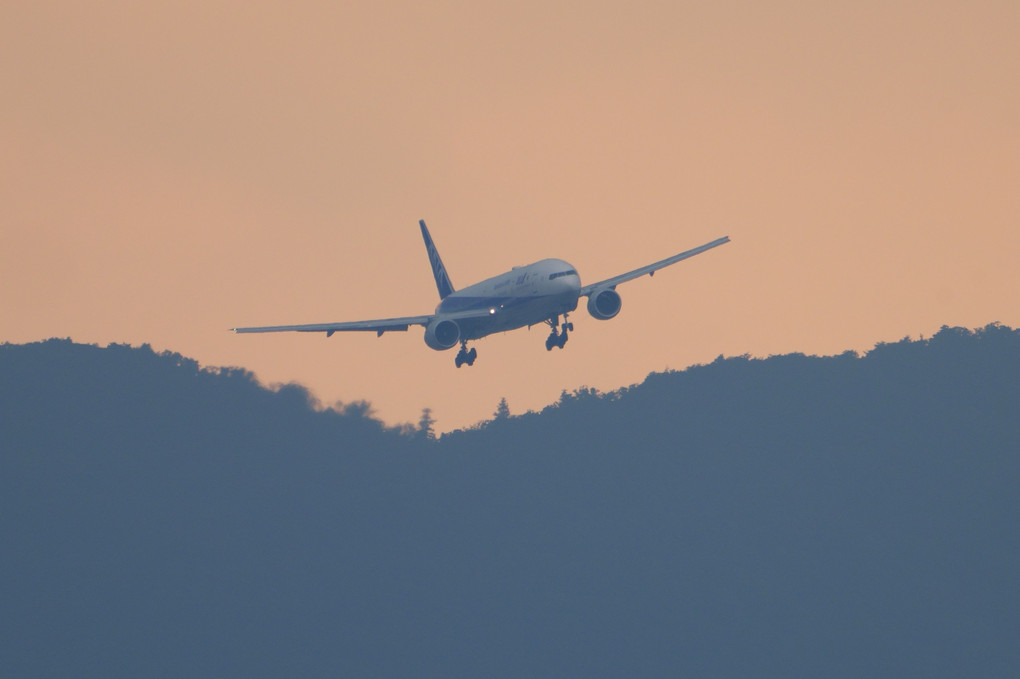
[[569, 284]]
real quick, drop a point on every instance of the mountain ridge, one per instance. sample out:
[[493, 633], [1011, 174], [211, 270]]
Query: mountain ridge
[[787, 516]]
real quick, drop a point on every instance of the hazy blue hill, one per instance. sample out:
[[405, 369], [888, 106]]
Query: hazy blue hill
[[794, 516]]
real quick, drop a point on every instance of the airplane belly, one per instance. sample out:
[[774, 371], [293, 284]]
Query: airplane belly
[[517, 313]]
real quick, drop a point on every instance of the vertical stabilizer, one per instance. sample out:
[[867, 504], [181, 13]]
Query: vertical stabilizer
[[443, 283]]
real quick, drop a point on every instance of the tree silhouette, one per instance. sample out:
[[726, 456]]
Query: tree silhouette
[[426, 425]]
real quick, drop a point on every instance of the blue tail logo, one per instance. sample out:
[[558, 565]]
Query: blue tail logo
[[443, 283]]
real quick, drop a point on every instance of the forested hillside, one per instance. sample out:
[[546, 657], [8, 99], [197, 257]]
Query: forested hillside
[[792, 516]]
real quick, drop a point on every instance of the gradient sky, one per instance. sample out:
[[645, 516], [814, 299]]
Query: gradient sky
[[171, 170]]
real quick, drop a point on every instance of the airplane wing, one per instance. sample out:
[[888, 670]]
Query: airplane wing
[[378, 326], [651, 268]]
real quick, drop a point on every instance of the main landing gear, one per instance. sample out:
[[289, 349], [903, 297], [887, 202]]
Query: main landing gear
[[558, 336], [465, 356]]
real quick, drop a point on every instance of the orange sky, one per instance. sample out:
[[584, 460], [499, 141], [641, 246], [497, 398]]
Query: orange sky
[[171, 170]]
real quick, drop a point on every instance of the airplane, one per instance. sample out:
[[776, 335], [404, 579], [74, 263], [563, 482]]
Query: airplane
[[524, 296]]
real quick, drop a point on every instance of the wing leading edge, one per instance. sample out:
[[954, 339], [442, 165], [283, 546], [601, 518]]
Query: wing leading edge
[[651, 268]]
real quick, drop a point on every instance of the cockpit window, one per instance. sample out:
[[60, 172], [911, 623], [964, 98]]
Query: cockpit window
[[560, 274]]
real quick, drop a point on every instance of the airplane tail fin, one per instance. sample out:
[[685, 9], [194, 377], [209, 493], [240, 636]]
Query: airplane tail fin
[[443, 283]]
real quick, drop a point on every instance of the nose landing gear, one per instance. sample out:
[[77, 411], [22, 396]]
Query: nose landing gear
[[465, 356], [558, 337]]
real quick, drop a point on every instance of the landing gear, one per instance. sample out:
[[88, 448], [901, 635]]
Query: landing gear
[[558, 336], [465, 356]]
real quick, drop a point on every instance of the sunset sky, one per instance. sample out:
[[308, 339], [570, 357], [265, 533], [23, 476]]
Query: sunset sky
[[172, 170]]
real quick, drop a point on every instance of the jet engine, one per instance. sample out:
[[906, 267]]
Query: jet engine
[[441, 334], [604, 304]]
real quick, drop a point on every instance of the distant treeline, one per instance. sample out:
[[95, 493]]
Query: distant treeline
[[793, 516]]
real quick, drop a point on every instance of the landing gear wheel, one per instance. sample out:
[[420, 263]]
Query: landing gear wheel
[[558, 336], [465, 356]]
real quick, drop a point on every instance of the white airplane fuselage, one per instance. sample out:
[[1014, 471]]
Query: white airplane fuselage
[[525, 295]]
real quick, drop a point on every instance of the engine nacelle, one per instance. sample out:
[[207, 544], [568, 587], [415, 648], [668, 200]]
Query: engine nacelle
[[442, 334], [604, 304]]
